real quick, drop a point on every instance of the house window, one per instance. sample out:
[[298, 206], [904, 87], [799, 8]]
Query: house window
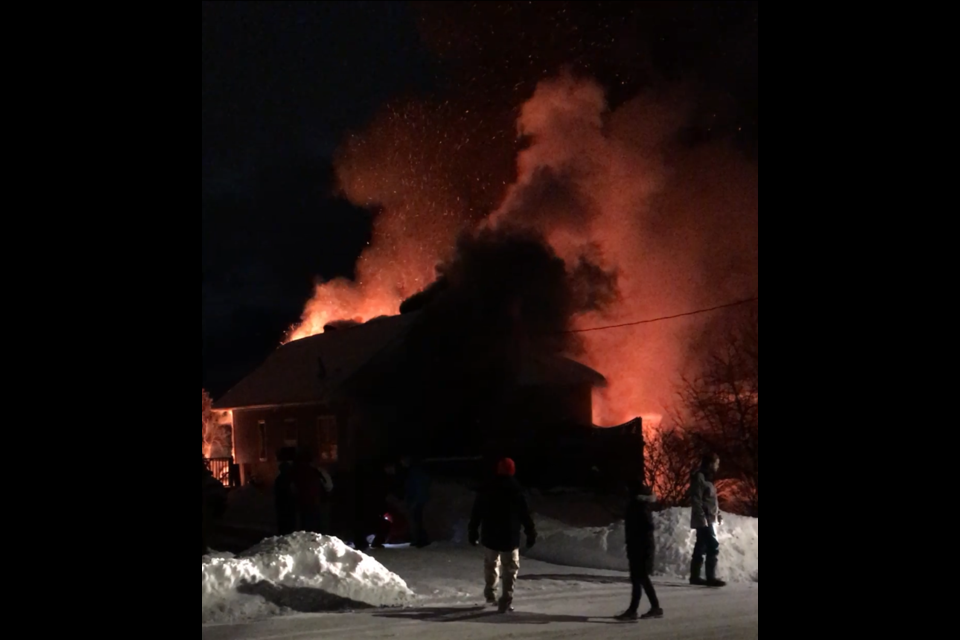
[[290, 435], [327, 438], [262, 433]]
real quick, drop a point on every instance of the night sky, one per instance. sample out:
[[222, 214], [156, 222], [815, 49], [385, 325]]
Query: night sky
[[283, 83]]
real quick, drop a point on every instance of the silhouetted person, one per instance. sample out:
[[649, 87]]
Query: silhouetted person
[[371, 486], [313, 488], [704, 518], [204, 524], [213, 503], [641, 549], [325, 512], [285, 499], [499, 513], [416, 495]]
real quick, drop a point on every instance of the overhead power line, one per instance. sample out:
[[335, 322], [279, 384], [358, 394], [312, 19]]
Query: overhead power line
[[661, 319]]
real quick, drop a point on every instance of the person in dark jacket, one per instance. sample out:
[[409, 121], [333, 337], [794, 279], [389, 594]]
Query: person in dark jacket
[[704, 519], [204, 524], [313, 487], [499, 513], [416, 490], [641, 548], [372, 484], [285, 500], [213, 503]]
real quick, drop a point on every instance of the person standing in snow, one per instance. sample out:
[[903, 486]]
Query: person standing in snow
[[213, 503], [499, 513], [704, 518], [204, 511], [313, 486], [325, 521], [371, 488], [416, 495], [285, 499], [641, 549]]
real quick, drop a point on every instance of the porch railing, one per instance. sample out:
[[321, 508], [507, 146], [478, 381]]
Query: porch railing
[[223, 470]]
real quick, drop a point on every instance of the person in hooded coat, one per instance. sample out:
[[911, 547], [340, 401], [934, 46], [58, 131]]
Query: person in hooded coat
[[704, 518], [499, 513], [641, 549]]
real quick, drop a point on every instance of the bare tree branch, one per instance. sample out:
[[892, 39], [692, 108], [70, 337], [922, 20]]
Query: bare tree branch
[[669, 456], [718, 411]]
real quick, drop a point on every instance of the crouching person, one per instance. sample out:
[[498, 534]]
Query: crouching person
[[499, 514], [641, 549]]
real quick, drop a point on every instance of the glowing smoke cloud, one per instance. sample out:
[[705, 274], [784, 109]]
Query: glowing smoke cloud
[[679, 225]]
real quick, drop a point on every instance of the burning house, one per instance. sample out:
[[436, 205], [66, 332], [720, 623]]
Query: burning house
[[295, 397], [358, 393], [632, 223]]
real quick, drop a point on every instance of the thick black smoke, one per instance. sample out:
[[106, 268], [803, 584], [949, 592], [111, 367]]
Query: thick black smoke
[[507, 290], [504, 299]]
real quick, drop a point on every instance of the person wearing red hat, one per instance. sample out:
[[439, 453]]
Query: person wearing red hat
[[499, 513]]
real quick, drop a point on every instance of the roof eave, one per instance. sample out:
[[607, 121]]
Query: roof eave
[[275, 405]]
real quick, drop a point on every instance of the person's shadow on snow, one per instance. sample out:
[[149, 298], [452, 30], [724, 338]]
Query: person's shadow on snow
[[576, 577], [487, 615], [301, 599], [593, 579]]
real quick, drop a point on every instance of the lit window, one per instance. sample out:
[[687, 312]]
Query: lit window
[[262, 432]]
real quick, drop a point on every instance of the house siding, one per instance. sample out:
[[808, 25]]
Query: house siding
[[368, 432], [246, 426]]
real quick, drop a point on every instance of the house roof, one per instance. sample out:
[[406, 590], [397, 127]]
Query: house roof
[[558, 371], [292, 373]]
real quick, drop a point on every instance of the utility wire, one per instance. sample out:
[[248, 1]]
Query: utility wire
[[661, 319], [679, 315]]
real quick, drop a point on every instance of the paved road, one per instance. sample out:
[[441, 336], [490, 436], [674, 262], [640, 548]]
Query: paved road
[[694, 613]]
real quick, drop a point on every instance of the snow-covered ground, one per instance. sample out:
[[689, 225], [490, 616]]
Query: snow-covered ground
[[552, 602], [450, 573], [603, 547], [307, 574], [577, 550], [302, 572]]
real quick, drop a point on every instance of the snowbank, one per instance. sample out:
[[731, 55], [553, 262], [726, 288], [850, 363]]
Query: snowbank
[[303, 572], [604, 547]]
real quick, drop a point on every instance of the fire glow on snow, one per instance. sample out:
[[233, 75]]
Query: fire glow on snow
[[322, 564], [603, 547]]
